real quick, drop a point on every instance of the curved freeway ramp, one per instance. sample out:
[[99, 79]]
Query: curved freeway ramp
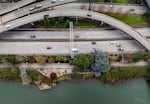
[[14, 6], [26, 10], [79, 13]]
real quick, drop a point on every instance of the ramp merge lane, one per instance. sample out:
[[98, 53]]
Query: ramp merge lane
[[27, 9], [14, 6]]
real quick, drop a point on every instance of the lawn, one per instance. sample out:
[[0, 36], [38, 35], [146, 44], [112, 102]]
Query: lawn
[[131, 19], [121, 1]]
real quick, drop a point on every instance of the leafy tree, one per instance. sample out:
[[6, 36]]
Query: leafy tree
[[81, 62], [100, 62], [11, 59], [147, 15]]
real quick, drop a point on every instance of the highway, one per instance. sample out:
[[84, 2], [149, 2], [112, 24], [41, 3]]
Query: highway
[[63, 34], [123, 9], [63, 48], [79, 13], [105, 7], [26, 10], [13, 6]]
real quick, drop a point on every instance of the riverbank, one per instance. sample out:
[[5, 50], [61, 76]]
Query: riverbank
[[115, 75]]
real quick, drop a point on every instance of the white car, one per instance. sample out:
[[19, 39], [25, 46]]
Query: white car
[[74, 49], [7, 25], [31, 8], [112, 42], [120, 49]]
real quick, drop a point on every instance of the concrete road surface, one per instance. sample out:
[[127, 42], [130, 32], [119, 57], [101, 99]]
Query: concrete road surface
[[80, 13], [26, 10], [63, 48], [13, 6], [79, 34]]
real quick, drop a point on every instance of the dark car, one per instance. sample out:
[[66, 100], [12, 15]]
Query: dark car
[[89, 15], [48, 47]]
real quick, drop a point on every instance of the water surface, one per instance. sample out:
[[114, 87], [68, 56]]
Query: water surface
[[88, 92]]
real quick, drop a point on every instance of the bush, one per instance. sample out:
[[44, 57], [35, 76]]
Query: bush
[[9, 74], [77, 76], [41, 59], [11, 59], [81, 62], [33, 74]]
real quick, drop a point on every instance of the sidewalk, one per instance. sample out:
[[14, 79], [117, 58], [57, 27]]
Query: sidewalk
[[141, 63]]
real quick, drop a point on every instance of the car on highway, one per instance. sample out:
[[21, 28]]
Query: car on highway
[[93, 42], [120, 49], [89, 15], [74, 49], [36, 7], [32, 36], [118, 45], [48, 47], [53, 1], [7, 25], [112, 42]]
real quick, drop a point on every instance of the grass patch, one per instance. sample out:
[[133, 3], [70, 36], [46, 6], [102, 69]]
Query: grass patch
[[9, 74], [131, 19], [121, 1], [77, 76]]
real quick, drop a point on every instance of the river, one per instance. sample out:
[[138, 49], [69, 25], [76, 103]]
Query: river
[[89, 92]]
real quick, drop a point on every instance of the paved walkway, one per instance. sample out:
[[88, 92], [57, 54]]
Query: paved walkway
[[142, 63]]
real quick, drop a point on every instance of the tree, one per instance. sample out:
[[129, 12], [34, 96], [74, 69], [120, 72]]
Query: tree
[[81, 62], [53, 76], [11, 59], [100, 62], [147, 15]]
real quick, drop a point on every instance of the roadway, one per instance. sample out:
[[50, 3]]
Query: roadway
[[123, 9], [82, 34], [63, 48], [26, 10], [105, 7], [13, 6], [79, 13]]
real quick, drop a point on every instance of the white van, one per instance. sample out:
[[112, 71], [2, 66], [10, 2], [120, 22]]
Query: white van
[[74, 49]]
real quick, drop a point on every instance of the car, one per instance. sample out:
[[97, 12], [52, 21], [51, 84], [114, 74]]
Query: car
[[38, 6], [112, 42], [120, 49], [118, 45], [7, 25], [48, 47], [74, 49], [32, 36], [132, 9], [53, 1], [93, 43], [89, 15], [32, 8]]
